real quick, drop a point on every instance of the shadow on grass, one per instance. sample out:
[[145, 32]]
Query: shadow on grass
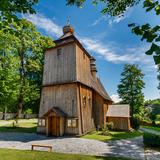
[[18, 129], [10, 154], [112, 135]]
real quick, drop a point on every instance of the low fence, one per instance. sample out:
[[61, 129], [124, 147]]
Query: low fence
[[8, 116]]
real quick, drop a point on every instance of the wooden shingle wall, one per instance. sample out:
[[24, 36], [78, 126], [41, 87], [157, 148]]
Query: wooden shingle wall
[[98, 104], [86, 109], [62, 96], [60, 67], [83, 70]]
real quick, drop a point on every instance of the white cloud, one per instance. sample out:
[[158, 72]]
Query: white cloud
[[97, 21], [109, 52], [46, 24], [117, 19], [111, 20], [115, 98], [105, 50]]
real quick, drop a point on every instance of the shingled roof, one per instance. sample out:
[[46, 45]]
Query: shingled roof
[[98, 87], [120, 110], [55, 110]]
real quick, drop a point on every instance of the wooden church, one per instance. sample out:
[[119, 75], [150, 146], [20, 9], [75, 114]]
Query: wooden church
[[73, 100]]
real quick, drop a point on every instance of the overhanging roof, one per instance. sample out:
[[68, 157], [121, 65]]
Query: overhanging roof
[[55, 110]]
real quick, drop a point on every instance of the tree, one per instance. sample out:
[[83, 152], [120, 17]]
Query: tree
[[130, 88], [154, 106], [10, 8], [8, 74], [158, 77], [111, 7], [29, 46]]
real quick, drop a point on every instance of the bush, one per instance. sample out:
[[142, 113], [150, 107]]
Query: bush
[[110, 125], [28, 111], [151, 140]]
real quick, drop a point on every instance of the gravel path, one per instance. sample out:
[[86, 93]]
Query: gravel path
[[152, 154], [132, 148]]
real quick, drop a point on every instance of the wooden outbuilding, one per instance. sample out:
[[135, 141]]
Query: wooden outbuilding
[[73, 100], [120, 116]]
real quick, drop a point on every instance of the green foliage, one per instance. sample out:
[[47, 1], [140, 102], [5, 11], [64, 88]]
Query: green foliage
[[154, 106], [110, 125], [148, 33], [112, 135], [152, 102], [111, 7], [24, 54], [10, 8], [28, 111], [158, 77], [151, 140], [130, 88], [8, 73]]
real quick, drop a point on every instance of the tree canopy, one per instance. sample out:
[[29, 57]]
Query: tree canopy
[[10, 8], [130, 88], [21, 65], [111, 7]]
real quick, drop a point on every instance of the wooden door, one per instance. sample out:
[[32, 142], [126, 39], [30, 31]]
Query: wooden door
[[54, 126]]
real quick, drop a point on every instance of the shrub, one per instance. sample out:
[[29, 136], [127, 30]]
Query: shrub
[[28, 111], [110, 125], [151, 140]]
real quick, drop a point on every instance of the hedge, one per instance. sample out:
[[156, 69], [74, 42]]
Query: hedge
[[152, 140]]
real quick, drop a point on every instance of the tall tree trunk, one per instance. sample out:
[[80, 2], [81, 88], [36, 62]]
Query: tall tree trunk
[[22, 81]]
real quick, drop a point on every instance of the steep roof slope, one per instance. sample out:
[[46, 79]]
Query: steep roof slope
[[120, 110]]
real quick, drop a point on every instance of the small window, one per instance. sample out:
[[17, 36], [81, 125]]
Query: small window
[[59, 51], [84, 101], [69, 123], [42, 122], [72, 123]]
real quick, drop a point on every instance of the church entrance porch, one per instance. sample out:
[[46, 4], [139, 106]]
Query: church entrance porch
[[55, 122]]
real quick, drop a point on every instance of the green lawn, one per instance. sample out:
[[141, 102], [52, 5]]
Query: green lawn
[[155, 128], [23, 125], [9, 154], [113, 136]]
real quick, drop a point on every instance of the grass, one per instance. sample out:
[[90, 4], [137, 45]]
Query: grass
[[9, 154], [113, 135], [155, 128], [24, 125]]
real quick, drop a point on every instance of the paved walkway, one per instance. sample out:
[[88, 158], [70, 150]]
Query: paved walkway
[[152, 154], [150, 131], [132, 148]]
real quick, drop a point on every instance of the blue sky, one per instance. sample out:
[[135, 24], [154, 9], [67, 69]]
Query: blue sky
[[108, 39]]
